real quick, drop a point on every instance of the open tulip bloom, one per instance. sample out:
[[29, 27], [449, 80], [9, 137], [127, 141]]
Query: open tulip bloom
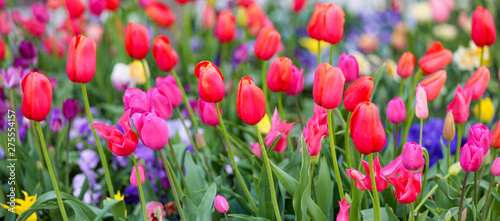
[[251, 110]]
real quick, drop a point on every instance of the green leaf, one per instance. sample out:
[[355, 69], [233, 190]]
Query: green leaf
[[84, 188], [246, 217], [300, 209], [449, 191], [324, 187], [205, 206], [273, 145], [423, 216], [117, 208], [385, 214], [314, 210], [286, 180], [189, 208], [79, 214], [265, 200], [376, 78]]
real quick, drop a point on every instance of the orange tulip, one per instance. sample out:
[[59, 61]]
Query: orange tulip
[[359, 91], [406, 64], [478, 82], [433, 84], [160, 13], [267, 43], [250, 102]]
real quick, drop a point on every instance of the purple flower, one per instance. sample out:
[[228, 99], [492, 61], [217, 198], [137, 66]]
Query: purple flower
[[88, 160], [144, 153], [131, 195], [196, 44], [56, 121], [240, 54], [40, 12], [70, 108], [4, 107], [11, 77], [27, 50], [53, 82]]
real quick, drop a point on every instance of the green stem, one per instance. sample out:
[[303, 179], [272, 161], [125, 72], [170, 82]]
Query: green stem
[[412, 212], [479, 112], [482, 54], [376, 202], [179, 168], [424, 180], [346, 139], [331, 53], [139, 184], [459, 141], [146, 73], [405, 216], [13, 107], [298, 111], [449, 154], [67, 156], [421, 129], [407, 128], [269, 174], [191, 140], [332, 148], [486, 209], [231, 156], [429, 194], [401, 86], [172, 184], [396, 140], [185, 100], [264, 85], [51, 172], [319, 52], [280, 106], [38, 148], [462, 196], [104, 162], [475, 189]]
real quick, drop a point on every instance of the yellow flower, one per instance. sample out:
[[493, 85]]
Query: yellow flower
[[137, 71], [264, 125], [117, 196], [241, 16], [392, 69], [312, 45], [23, 205], [487, 110]]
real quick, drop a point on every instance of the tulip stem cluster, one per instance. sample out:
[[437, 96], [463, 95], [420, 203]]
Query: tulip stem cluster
[[332, 148], [51, 172], [104, 162], [186, 102], [299, 115], [462, 196], [376, 201], [171, 180], [280, 106], [179, 168], [486, 208], [139, 184], [429, 194]]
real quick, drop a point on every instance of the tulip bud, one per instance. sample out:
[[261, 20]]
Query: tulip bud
[[133, 175], [112, 5], [250, 102], [267, 43], [460, 105], [328, 86], [495, 167], [464, 214], [39, 165], [136, 41], [81, 60], [483, 27], [435, 59], [396, 111], [471, 156], [495, 141], [421, 110], [447, 216], [449, 127], [279, 76], [487, 109], [200, 141], [406, 64], [168, 86], [37, 96], [160, 13], [75, 8], [367, 131], [359, 91], [165, 56], [221, 204], [413, 156], [334, 24], [316, 26], [478, 82], [298, 5], [480, 133], [455, 169], [349, 66], [208, 113], [225, 30], [152, 129], [56, 122], [256, 149], [433, 84], [70, 108], [297, 82], [210, 82]]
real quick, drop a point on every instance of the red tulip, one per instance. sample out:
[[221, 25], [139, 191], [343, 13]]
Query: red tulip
[[334, 24], [478, 82], [298, 5], [460, 105], [208, 113], [279, 76], [328, 86], [257, 19], [367, 131], [432, 85], [210, 83], [267, 43], [406, 64], [483, 28], [359, 91], [136, 41], [407, 186], [250, 102], [495, 134], [160, 13], [165, 56], [316, 26], [37, 96], [75, 8], [121, 144], [435, 59], [80, 65], [209, 17], [112, 4], [225, 30], [182, 2], [2, 49]]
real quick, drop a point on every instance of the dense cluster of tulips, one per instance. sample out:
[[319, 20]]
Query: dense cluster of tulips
[[177, 151]]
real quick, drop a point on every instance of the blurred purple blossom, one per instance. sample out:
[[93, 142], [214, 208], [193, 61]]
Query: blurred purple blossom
[[88, 160], [11, 77], [56, 121]]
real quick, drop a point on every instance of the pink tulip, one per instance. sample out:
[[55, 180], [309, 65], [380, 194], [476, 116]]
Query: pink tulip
[[118, 143], [97, 6], [495, 167], [478, 82], [313, 134], [441, 10], [460, 105], [297, 82], [394, 167], [221, 204], [364, 182], [421, 109], [349, 66], [168, 86], [278, 127], [137, 101], [407, 185], [133, 175], [4, 20], [471, 156], [256, 149], [480, 133], [152, 129], [413, 156], [320, 115], [160, 103], [396, 110], [343, 214], [208, 113]]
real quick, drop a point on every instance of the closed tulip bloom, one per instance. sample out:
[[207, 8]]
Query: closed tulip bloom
[[349, 66], [359, 91], [56, 121], [495, 139], [316, 26], [298, 5], [121, 144], [159, 103], [471, 156], [343, 214], [161, 14], [459, 107], [363, 182], [2, 49], [133, 175], [136, 41], [209, 17], [478, 82], [250, 102], [406, 64], [480, 133], [257, 19], [75, 8], [210, 82], [97, 6], [483, 31], [70, 108], [169, 87], [313, 134], [495, 167], [112, 5], [279, 76], [278, 127], [35, 27], [421, 110], [367, 131], [221, 204], [328, 86], [433, 84], [152, 129], [165, 56], [297, 85], [256, 149], [37, 96], [40, 12], [435, 59], [449, 127], [81, 60], [407, 186], [266, 43], [225, 30], [208, 113], [396, 111], [413, 156], [334, 24]]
